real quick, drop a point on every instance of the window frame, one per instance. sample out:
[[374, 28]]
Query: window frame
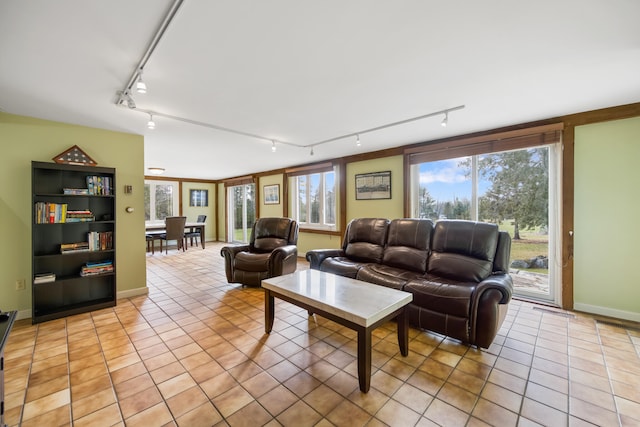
[[294, 206], [175, 199]]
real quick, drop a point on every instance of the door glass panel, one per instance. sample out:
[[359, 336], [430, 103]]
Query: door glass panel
[[242, 213], [511, 189]]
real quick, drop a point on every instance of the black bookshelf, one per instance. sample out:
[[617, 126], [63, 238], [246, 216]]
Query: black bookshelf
[[70, 292]]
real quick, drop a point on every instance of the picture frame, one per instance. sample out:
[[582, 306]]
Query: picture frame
[[199, 198], [271, 194], [373, 186]]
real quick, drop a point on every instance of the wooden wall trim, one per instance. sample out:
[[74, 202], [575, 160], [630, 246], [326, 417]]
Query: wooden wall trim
[[566, 238]]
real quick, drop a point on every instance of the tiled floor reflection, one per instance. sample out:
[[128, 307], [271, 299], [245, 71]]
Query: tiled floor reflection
[[194, 353]]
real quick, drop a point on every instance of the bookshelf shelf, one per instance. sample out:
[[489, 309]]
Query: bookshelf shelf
[[70, 293]]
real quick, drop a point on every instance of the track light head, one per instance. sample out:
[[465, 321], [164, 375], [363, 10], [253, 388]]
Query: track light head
[[151, 124], [445, 121], [273, 146], [311, 152], [358, 141], [126, 98], [141, 86]]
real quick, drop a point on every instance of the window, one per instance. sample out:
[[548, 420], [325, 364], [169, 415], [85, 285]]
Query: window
[[314, 201], [160, 200], [513, 189], [510, 178]]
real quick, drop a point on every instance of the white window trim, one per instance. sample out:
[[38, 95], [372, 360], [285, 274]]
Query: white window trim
[[176, 202], [294, 207]]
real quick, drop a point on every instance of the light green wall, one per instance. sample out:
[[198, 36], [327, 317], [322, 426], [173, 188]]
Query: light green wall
[[24, 139], [385, 208], [270, 210], [606, 277], [192, 212]]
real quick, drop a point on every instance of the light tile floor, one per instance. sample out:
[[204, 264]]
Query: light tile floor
[[194, 353]]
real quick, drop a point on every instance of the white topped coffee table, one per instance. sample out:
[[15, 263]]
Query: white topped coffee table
[[352, 303]]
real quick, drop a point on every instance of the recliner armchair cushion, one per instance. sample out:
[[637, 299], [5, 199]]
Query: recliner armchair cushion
[[251, 261], [271, 233]]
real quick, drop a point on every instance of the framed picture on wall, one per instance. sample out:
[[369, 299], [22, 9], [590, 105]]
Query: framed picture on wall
[[198, 197], [372, 186], [271, 194]]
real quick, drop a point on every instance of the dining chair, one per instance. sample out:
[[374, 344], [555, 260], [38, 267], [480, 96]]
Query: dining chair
[[151, 238], [195, 234], [174, 231]]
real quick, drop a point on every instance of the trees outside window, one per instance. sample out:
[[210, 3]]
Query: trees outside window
[[160, 200], [315, 204]]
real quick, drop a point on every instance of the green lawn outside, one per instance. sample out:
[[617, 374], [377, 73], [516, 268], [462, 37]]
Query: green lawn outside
[[532, 244]]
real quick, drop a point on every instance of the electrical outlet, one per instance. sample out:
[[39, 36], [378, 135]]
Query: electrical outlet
[[20, 285]]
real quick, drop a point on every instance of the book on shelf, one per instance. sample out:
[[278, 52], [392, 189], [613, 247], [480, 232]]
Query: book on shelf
[[96, 267], [44, 278], [99, 185], [76, 191], [74, 247], [79, 216]]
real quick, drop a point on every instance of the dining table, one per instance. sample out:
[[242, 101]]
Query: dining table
[[190, 227]]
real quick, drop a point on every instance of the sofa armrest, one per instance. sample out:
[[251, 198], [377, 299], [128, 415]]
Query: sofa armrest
[[489, 308], [501, 282], [229, 254], [316, 256], [283, 260]]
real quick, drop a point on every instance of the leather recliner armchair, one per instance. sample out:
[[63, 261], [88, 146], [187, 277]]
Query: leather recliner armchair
[[271, 252]]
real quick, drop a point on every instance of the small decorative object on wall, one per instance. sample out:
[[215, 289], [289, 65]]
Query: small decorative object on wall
[[198, 197], [74, 156], [272, 194], [375, 185]]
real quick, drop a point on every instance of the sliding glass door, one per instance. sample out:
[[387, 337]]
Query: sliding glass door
[[242, 212], [518, 190]]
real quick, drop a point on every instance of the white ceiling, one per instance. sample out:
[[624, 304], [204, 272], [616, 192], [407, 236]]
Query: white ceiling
[[307, 71]]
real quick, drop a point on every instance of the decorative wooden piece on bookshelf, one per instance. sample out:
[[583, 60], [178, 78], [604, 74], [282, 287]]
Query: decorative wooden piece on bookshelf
[[74, 156]]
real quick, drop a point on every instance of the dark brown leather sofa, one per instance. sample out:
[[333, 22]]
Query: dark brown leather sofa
[[271, 252], [456, 270]]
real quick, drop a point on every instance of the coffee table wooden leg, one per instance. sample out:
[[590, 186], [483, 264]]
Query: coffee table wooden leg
[[403, 332], [269, 310], [364, 359]]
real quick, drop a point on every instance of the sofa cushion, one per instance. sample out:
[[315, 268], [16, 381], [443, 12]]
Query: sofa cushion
[[441, 295], [341, 266], [408, 244], [365, 239], [384, 275], [463, 250]]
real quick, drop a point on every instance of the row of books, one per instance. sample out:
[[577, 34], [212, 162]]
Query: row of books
[[100, 240], [44, 278], [96, 241], [95, 268], [52, 213], [99, 185]]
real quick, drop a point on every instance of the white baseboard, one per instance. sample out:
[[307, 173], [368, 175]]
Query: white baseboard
[[23, 314], [606, 311], [133, 292]]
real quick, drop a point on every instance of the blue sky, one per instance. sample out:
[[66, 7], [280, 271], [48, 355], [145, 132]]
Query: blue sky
[[445, 180]]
